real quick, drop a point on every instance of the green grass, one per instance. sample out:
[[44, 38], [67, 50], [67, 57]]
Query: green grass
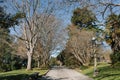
[[106, 72], [19, 74]]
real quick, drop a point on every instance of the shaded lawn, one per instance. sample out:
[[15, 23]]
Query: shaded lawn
[[106, 72], [19, 74]]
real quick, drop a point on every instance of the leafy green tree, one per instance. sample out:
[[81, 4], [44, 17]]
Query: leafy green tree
[[113, 31], [83, 17], [113, 35], [6, 21]]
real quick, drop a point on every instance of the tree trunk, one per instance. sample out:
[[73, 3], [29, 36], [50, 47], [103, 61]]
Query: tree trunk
[[95, 65], [29, 62], [38, 63]]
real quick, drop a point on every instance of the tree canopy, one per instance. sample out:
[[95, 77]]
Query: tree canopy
[[113, 31], [83, 17], [6, 40]]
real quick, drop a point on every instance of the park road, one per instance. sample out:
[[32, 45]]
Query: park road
[[61, 73]]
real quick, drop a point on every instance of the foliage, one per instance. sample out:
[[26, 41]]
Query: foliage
[[8, 20], [115, 58], [11, 62], [113, 31], [53, 62], [83, 18], [68, 59], [113, 36], [6, 50]]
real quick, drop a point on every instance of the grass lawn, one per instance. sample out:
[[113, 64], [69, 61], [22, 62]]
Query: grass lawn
[[19, 74], [106, 72]]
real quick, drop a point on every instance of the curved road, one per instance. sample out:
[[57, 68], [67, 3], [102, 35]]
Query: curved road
[[58, 73]]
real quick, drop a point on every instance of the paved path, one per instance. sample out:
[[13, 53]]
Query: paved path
[[65, 74]]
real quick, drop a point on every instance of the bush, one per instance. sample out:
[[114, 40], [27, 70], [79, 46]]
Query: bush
[[115, 58], [84, 67], [15, 77], [116, 65], [11, 62]]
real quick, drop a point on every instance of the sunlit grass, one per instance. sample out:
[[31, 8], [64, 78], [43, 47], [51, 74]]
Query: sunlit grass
[[19, 74], [106, 72], [22, 71]]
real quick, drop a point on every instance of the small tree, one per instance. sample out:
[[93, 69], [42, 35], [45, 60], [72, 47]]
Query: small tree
[[79, 44]]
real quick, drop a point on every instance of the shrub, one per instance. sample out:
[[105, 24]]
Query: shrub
[[116, 65], [115, 58]]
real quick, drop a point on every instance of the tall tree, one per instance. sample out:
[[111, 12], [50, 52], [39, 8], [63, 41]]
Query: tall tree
[[113, 31], [29, 26], [6, 21], [113, 35], [85, 19], [48, 36], [37, 25]]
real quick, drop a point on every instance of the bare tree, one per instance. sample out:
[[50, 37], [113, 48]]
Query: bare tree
[[80, 44], [37, 27], [28, 25], [50, 36]]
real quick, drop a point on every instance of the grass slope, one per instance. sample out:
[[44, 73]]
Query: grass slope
[[19, 74], [106, 72]]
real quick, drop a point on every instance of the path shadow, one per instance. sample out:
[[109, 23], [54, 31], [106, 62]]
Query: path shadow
[[21, 77], [15, 77]]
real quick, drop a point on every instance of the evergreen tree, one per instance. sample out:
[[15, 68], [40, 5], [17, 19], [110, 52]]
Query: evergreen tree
[[6, 21], [83, 18], [113, 36]]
